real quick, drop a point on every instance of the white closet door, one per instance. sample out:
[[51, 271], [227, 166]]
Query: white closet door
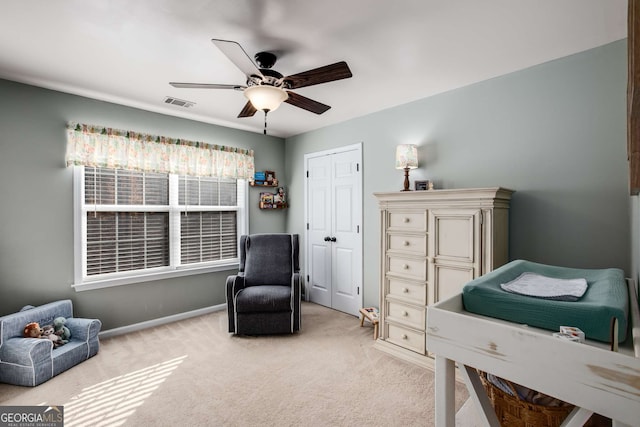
[[334, 236], [319, 201]]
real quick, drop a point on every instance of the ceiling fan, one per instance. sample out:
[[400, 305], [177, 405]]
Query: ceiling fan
[[265, 88]]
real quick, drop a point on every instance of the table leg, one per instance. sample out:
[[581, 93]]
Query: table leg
[[478, 396], [445, 392]]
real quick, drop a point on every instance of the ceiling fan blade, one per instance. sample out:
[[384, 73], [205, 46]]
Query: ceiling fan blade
[[238, 56], [328, 73], [248, 111], [206, 86], [306, 103]]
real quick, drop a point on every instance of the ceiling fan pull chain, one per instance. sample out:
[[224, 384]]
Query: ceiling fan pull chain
[[265, 121]]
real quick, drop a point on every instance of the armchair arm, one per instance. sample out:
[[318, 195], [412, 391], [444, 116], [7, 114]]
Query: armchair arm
[[297, 296], [83, 329], [296, 282], [25, 351], [234, 284]]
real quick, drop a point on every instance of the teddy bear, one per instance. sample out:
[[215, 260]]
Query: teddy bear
[[32, 330], [49, 333], [61, 330]]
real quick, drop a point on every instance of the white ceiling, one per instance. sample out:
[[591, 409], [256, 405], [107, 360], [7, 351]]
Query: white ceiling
[[127, 51]]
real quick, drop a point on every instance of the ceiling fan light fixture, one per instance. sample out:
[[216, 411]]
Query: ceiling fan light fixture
[[265, 98]]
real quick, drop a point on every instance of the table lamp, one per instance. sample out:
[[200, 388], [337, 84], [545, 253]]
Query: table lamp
[[406, 158]]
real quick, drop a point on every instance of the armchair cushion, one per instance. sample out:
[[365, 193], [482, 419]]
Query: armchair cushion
[[268, 259], [264, 298]]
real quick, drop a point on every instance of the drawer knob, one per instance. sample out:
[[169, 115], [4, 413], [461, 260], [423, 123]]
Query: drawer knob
[[406, 219], [405, 243], [405, 290], [405, 266], [404, 336], [405, 314]]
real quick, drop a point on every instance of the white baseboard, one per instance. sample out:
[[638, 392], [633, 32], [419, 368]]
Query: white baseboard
[[161, 321]]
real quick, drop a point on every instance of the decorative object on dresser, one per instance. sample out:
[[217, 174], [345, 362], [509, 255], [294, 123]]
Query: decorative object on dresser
[[421, 185], [406, 158], [432, 244]]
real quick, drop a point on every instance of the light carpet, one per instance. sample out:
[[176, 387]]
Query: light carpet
[[194, 373]]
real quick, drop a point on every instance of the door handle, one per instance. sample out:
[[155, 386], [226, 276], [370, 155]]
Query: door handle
[[333, 239], [327, 239]]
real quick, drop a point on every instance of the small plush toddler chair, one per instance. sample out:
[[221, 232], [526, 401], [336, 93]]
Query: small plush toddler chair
[[264, 297], [32, 361]]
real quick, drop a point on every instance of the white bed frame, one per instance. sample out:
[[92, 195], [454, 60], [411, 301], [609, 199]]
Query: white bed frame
[[590, 376]]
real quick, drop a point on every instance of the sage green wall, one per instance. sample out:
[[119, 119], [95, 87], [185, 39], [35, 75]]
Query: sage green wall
[[555, 133], [36, 206]]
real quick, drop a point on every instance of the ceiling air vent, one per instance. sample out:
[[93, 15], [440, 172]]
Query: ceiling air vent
[[179, 102]]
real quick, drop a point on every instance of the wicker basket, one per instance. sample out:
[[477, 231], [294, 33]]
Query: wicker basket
[[513, 412]]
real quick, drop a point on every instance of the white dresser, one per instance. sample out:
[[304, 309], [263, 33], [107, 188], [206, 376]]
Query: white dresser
[[432, 243]]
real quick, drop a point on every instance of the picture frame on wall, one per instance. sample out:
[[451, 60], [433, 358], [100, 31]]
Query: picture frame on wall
[[266, 197], [279, 196], [270, 177], [421, 185]]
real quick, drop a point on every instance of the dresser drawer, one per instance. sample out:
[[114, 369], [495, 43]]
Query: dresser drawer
[[414, 292], [416, 245], [408, 220], [405, 337], [409, 268], [414, 317]]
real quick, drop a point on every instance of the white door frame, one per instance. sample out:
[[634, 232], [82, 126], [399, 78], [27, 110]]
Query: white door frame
[[357, 147]]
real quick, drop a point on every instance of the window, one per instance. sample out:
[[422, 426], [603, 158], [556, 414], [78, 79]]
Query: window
[[207, 235], [135, 226]]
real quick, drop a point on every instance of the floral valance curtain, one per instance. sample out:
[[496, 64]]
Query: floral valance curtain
[[97, 146]]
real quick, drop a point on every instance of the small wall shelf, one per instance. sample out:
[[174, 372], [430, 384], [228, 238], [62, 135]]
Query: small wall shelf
[[269, 200], [253, 184], [264, 179], [273, 206]]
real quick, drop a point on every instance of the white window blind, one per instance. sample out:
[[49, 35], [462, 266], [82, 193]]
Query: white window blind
[[125, 241], [126, 237], [139, 224], [206, 235]]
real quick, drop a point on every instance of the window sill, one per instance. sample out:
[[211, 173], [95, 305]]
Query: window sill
[[147, 277]]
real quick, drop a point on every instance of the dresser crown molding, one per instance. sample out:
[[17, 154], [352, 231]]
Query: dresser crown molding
[[473, 196]]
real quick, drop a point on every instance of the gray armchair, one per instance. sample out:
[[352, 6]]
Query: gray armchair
[[264, 297]]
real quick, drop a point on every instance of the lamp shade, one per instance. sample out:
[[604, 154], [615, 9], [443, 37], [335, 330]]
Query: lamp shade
[[265, 98], [406, 156]]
